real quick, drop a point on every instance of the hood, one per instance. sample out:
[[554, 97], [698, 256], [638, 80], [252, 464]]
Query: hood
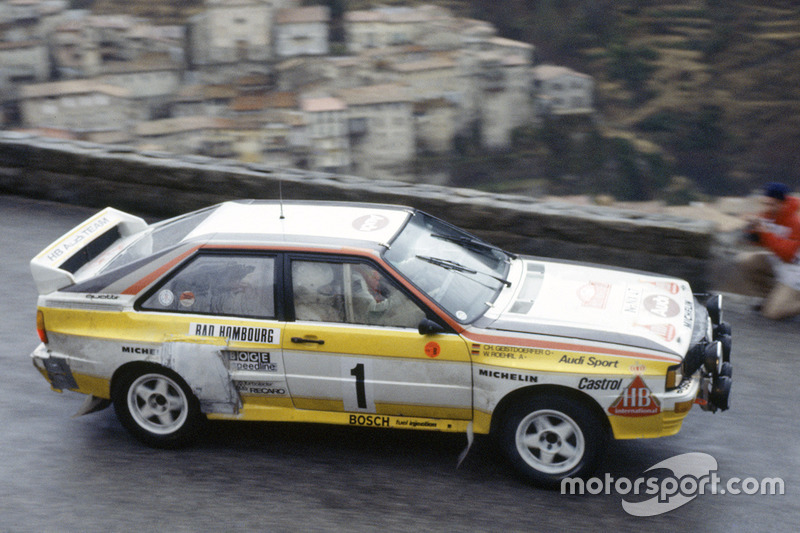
[[597, 304]]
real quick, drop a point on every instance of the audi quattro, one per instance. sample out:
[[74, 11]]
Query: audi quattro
[[370, 315]]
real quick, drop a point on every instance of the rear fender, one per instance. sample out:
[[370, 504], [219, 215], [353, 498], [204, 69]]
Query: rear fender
[[203, 369]]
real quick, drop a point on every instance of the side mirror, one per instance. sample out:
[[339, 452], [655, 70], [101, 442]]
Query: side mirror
[[428, 327]]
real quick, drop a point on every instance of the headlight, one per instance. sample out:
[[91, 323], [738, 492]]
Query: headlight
[[694, 359], [714, 306], [726, 342], [713, 358], [720, 393], [722, 329]]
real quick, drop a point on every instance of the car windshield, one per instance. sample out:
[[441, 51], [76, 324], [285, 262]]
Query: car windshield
[[458, 271]]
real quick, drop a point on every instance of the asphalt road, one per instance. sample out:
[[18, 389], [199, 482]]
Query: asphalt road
[[59, 473]]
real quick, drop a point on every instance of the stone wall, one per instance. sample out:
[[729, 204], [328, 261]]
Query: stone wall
[[162, 185]]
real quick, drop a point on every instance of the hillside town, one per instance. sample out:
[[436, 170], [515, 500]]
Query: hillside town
[[261, 81]]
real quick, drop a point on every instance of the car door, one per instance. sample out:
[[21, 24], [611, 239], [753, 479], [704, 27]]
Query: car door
[[354, 345], [222, 333]]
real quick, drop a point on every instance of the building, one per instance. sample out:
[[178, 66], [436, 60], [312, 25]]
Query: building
[[435, 122], [23, 62], [560, 90], [390, 26], [83, 106], [381, 127], [152, 81], [187, 135], [327, 133], [302, 31], [428, 75], [234, 35], [497, 95]]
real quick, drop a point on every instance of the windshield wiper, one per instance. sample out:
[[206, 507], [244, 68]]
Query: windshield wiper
[[458, 267], [474, 245]]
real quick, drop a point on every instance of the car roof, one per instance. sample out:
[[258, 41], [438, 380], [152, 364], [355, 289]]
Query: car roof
[[269, 221]]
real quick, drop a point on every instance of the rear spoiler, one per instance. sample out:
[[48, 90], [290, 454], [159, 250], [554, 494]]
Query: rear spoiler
[[54, 267]]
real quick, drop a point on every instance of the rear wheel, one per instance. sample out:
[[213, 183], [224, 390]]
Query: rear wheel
[[548, 438], [157, 407]]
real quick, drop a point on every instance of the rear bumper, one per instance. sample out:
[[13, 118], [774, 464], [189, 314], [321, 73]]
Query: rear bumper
[[55, 370]]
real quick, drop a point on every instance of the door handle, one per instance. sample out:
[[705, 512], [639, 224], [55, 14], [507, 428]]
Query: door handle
[[301, 340]]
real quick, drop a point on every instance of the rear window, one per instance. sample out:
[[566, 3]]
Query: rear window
[[158, 238]]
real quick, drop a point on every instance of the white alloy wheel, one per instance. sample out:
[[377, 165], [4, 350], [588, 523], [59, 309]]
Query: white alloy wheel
[[550, 441], [158, 404], [549, 437]]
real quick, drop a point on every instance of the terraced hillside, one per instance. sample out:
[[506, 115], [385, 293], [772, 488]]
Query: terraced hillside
[[715, 84]]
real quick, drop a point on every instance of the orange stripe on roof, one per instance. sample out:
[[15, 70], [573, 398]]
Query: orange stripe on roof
[[157, 273]]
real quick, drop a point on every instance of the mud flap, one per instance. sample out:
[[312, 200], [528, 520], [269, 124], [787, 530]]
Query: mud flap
[[470, 440], [92, 405], [203, 369]]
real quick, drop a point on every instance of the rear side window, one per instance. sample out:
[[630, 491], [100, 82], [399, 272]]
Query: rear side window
[[219, 284]]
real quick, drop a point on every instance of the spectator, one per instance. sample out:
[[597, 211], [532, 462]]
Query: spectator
[[775, 272]]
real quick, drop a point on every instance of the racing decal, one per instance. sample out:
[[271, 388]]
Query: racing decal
[[65, 246], [541, 355], [665, 331], [637, 368], [594, 295], [186, 299], [511, 376], [599, 384], [668, 286], [636, 400], [138, 350], [370, 420], [432, 349], [102, 296], [357, 385], [589, 361], [510, 352], [391, 421], [236, 333], [688, 314], [662, 306], [260, 388], [631, 302], [372, 222], [251, 361], [165, 298]]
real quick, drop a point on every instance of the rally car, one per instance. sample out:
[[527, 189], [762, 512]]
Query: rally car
[[370, 315]]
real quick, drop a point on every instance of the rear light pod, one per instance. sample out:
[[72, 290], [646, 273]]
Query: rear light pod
[[40, 329]]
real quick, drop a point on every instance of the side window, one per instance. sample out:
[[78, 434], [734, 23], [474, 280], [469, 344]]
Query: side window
[[352, 293], [232, 285]]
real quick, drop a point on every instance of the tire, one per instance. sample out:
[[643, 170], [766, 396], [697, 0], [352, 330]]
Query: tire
[[157, 407], [548, 438]]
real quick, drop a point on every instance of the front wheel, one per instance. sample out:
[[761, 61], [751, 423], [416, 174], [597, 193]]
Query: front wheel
[[548, 438], [157, 407]]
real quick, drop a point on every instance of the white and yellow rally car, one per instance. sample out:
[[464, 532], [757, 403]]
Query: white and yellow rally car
[[370, 315]]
